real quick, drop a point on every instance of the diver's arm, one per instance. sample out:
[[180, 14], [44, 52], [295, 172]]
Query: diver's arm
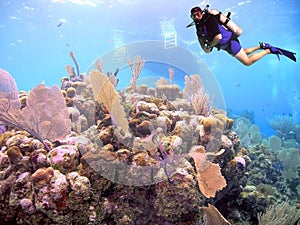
[[216, 40]]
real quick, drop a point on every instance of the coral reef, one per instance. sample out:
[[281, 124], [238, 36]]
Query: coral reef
[[134, 157], [274, 169]]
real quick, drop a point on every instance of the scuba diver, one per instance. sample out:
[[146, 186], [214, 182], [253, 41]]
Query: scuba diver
[[217, 30]]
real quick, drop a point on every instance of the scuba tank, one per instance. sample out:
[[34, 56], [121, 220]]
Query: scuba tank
[[227, 22]]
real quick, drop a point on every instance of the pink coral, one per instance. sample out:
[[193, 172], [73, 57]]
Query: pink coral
[[202, 102], [52, 197], [64, 158], [171, 74], [136, 67], [27, 206], [200, 99]]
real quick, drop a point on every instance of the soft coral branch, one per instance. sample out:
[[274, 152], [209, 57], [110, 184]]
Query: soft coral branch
[[136, 67], [75, 62]]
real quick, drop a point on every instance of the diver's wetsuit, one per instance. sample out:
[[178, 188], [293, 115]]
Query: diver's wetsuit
[[209, 27]]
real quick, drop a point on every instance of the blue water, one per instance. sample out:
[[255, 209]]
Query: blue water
[[36, 37]]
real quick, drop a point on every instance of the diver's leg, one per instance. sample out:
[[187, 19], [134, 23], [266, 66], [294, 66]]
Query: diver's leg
[[249, 60], [252, 49]]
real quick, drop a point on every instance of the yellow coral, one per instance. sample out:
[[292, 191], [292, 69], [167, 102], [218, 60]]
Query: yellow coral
[[71, 92], [42, 175], [14, 153], [104, 92]]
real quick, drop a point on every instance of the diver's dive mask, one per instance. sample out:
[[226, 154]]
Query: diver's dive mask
[[195, 10]]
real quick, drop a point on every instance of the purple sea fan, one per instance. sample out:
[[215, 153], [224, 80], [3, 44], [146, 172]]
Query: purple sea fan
[[46, 116], [46, 113], [8, 85]]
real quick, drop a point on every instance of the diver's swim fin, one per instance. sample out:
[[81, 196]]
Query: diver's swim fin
[[278, 51], [290, 55]]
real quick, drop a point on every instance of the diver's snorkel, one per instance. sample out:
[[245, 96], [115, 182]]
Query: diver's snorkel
[[204, 11], [191, 24]]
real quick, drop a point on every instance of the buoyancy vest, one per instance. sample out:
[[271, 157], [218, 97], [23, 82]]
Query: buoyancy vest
[[227, 28]]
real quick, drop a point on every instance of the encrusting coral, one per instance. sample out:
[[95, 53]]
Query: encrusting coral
[[42, 175], [14, 153]]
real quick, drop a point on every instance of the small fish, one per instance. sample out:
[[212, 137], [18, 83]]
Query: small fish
[[61, 22], [238, 85], [278, 167], [113, 77]]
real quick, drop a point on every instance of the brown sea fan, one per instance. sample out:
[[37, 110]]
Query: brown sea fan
[[210, 179]]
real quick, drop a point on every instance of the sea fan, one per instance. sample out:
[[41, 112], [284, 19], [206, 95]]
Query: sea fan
[[10, 113], [210, 179], [104, 92], [8, 85], [45, 116]]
